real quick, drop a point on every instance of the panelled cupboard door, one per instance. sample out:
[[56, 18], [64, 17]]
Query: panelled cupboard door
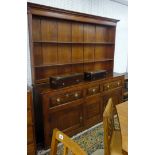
[[92, 110], [68, 118], [115, 94]]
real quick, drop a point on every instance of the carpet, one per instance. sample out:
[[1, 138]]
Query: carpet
[[90, 140]]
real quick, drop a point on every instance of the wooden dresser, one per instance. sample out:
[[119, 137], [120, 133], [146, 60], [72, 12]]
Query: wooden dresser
[[31, 144], [66, 42], [75, 108]]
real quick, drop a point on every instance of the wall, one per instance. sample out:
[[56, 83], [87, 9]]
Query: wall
[[105, 8]]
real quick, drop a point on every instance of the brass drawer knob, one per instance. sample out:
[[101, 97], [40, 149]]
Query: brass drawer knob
[[94, 90], [58, 99], [67, 95], [118, 83], [76, 94], [81, 118], [107, 86]]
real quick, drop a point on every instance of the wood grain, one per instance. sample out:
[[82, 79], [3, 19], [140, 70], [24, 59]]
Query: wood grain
[[49, 30], [122, 110]]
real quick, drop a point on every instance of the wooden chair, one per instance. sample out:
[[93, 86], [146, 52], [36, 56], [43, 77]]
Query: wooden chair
[[70, 147], [112, 136]]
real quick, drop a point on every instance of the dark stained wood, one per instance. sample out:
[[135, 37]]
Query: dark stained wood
[[101, 34], [77, 32], [100, 52], [64, 42], [111, 34], [78, 43], [115, 94], [68, 118], [49, 30], [64, 69], [58, 42], [38, 59], [64, 31], [64, 54], [89, 67], [49, 54], [77, 53], [89, 53], [92, 110], [78, 107], [36, 29], [31, 149], [31, 142], [46, 11], [42, 73], [89, 33], [77, 68]]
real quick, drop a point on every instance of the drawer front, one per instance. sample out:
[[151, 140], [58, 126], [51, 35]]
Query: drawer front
[[112, 85], [93, 90], [64, 98]]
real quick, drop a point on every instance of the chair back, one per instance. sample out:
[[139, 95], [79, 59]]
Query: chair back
[[112, 138], [70, 147]]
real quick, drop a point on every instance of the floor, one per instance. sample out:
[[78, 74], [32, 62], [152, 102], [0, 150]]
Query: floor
[[98, 152], [93, 146]]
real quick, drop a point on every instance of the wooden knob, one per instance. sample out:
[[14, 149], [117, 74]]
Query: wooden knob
[[67, 95], [94, 90], [76, 95], [58, 99]]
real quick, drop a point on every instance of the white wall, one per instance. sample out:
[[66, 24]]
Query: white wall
[[105, 8]]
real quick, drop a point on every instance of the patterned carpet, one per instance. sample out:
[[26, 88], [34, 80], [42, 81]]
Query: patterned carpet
[[90, 140]]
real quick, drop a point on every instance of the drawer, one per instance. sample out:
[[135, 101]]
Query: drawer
[[29, 134], [112, 85], [64, 98], [29, 118], [93, 90], [30, 149]]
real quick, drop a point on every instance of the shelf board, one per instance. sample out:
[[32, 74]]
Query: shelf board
[[59, 42], [73, 63]]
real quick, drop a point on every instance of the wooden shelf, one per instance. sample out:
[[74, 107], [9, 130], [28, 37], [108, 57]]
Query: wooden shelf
[[55, 42], [75, 63]]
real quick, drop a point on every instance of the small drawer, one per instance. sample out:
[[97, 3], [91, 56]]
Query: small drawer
[[64, 98], [76, 95], [56, 100], [93, 90], [29, 134], [29, 117], [112, 85]]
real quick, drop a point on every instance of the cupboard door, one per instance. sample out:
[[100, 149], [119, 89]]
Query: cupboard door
[[67, 118], [92, 110], [115, 94]]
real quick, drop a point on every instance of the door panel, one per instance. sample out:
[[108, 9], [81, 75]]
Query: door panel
[[116, 96], [67, 118], [92, 110]]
